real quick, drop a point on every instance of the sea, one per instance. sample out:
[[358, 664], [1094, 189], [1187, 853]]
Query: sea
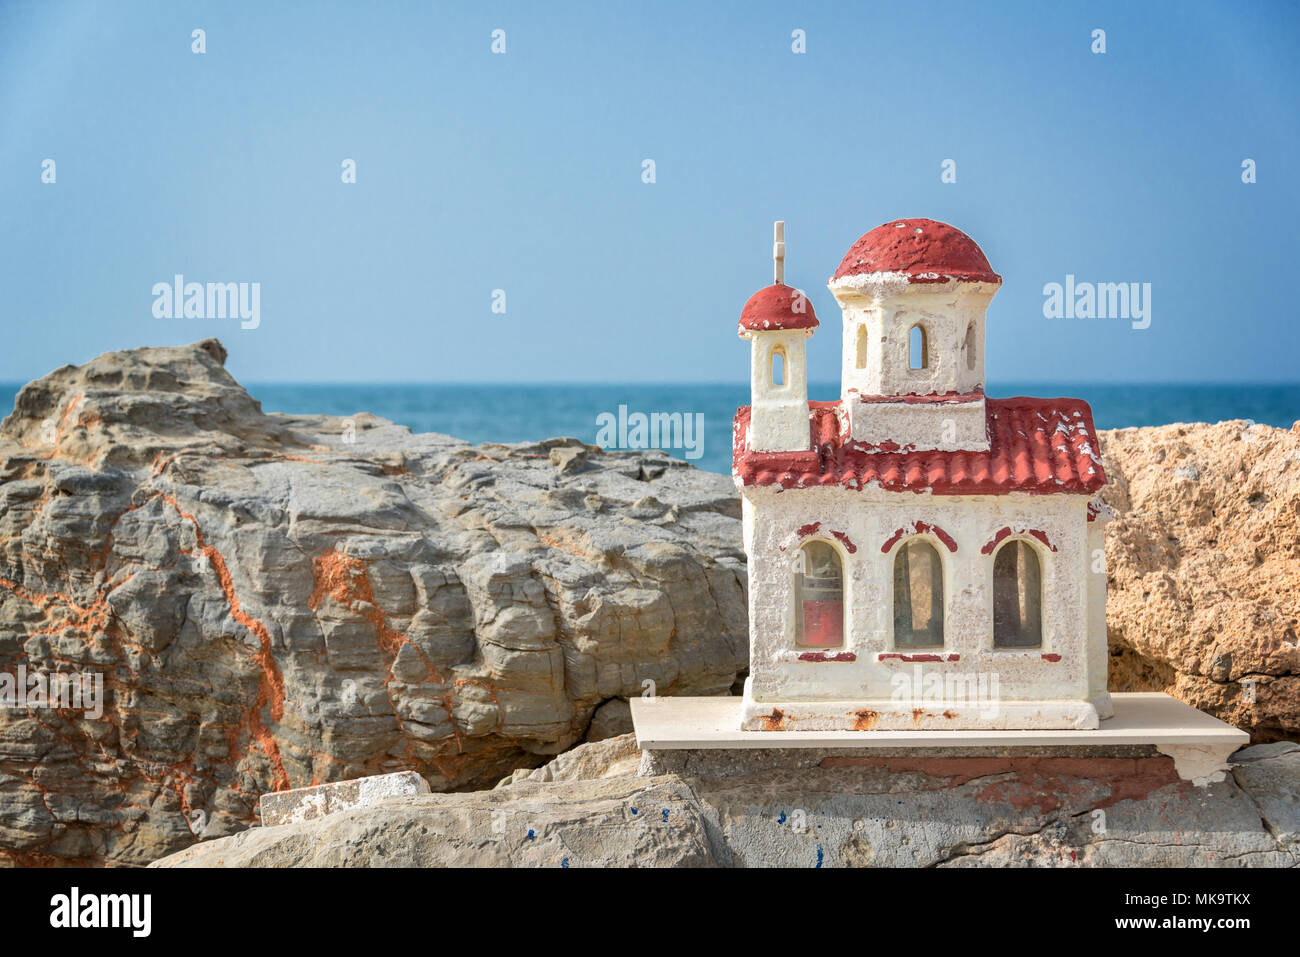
[[510, 412]]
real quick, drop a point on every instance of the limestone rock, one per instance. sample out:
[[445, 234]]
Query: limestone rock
[[1204, 569], [304, 804], [276, 601], [881, 811], [611, 719], [566, 824], [609, 757]]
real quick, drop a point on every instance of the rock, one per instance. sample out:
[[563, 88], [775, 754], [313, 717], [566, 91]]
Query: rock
[[610, 720], [1204, 569], [610, 757], [879, 811], [570, 458], [306, 804], [1270, 774], [581, 823], [277, 601]]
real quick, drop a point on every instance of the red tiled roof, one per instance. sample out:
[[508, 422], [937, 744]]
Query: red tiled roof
[[777, 306], [924, 249], [1038, 446]]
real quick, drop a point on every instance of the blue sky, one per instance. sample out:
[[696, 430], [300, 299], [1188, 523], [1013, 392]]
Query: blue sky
[[523, 171]]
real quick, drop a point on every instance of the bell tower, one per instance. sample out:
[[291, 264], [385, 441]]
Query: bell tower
[[913, 294], [778, 320]]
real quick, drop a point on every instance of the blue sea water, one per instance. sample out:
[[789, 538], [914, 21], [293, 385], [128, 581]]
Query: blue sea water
[[518, 413]]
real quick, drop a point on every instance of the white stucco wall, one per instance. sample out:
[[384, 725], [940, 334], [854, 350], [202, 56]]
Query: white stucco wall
[[1064, 669], [1098, 649], [888, 305], [779, 414], [946, 426]]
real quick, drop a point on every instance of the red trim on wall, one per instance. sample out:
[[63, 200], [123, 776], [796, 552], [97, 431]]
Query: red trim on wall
[[803, 531], [844, 539], [823, 656], [1003, 533], [919, 528], [1042, 537]]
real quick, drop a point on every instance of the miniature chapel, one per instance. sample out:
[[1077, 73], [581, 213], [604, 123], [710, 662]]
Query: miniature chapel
[[921, 556]]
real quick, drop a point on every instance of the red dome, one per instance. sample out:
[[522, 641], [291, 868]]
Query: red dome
[[926, 250], [777, 307]]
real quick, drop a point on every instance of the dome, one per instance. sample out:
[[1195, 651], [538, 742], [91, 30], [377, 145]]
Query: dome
[[923, 249], [777, 307]]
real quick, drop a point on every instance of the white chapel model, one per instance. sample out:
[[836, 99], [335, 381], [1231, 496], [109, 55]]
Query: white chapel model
[[920, 556]]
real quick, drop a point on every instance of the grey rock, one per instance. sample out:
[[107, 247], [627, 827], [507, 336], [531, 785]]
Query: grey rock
[[611, 719], [276, 601], [569, 824], [1270, 776], [589, 807], [306, 804]]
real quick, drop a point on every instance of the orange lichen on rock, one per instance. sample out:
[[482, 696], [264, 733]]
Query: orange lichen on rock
[[270, 690], [216, 689], [346, 580]]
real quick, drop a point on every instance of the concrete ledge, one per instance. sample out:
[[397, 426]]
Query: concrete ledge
[[885, 715], [1198, 743], [305, 804]]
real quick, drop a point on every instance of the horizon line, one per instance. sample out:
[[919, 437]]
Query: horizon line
[[740, 384], [744, 384]]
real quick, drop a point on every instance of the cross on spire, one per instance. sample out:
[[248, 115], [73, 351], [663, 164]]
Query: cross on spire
[[778, 250]]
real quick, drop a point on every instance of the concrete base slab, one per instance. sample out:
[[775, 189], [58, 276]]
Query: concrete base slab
[[885, 715], [305, 804], [1198, 743]]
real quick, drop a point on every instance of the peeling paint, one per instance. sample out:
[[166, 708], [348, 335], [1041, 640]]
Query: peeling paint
[[846, 542], [920, 528], [823, 656]]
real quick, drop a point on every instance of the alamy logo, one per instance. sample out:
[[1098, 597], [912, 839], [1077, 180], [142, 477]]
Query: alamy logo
[[74, 691], [928, 688], [75, 909], [1102, 300], [179, 299], [658, 430]]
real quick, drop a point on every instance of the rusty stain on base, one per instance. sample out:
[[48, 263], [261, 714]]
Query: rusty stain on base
[[864, 720]]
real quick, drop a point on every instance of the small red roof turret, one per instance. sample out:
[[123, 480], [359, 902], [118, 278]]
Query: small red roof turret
[[777, 307], [922, 249]]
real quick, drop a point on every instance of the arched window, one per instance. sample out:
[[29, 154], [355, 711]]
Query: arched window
[[862, 346], [968, 346], [918, 347], [818, 596], [918, 595], [1017, 596], [778, 366]]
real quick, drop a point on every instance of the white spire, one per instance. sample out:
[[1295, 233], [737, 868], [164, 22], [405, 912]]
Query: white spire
[[778, 250]]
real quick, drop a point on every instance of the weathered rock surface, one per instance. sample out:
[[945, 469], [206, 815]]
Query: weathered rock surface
[[305, 804], [1204, 569], [276, 601], [880, 811]]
